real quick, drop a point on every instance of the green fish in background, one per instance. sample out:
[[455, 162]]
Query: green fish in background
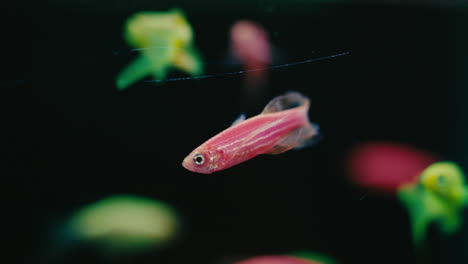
[[125, 223], [313, 256], [165, 40], [438, 196], [116, 226]]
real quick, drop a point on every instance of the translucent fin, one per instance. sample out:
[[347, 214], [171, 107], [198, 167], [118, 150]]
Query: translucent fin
[[133, 72], [287, 101], [239, 119], [288, 143], [189, 61], [298, 138], [310, 135]]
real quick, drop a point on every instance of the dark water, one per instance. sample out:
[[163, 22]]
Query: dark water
[[72, 138]]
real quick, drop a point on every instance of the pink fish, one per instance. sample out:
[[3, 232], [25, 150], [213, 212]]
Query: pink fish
[[250, 44], [283, 125], [385, 166]]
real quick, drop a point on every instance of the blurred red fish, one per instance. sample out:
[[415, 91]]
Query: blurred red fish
[[281, 126], [385, 167], [250, 44]]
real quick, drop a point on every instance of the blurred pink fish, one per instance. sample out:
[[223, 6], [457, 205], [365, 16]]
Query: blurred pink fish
[[281, 126], [277, 260], [251, 45], [385, 166]]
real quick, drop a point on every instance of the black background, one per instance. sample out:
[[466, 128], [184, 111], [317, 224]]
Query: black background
[[71, 138]]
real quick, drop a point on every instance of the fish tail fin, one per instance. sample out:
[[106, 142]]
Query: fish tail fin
[[310, 134]]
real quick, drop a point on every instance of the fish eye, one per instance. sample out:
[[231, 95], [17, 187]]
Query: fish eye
[[199, 159]]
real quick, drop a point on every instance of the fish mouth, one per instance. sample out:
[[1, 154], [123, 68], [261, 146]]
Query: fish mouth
[[187, 164]]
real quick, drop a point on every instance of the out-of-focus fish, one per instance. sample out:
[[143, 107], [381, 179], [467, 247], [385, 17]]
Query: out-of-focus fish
[[283, 125], [250, 44], [165, 40], [439, 197], [386, 166], [125, 223], [118, 226]]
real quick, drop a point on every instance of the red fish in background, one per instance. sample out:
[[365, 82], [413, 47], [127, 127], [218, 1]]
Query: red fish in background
[[277, 260], [433, 191], [251, 45], [384, 166]]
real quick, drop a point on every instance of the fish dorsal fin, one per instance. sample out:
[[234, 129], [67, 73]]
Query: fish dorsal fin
[[287, 101], [239, 119]]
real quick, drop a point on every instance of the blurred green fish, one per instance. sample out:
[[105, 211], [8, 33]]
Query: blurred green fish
[[165, 40], [438, 197], [313, 256], [125, 223]]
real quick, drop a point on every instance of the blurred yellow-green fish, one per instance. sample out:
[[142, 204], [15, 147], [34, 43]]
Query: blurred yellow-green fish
[[165, 40], [438, 197], [125, 223]]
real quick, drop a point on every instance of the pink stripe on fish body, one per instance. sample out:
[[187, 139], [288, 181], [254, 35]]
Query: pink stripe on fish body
[[273, 131], [262, 133]]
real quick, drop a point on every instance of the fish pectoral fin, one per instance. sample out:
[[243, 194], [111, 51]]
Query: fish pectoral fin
[[289, 100], [133, 72], [239, 119]]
